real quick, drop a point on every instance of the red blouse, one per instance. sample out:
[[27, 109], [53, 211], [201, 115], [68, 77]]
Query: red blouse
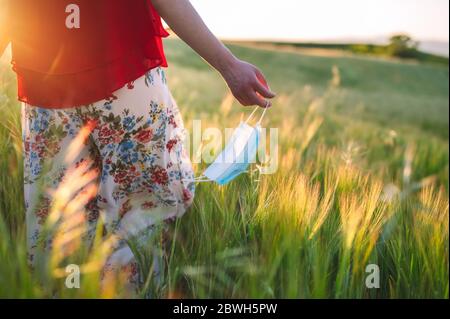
[[117, 42]]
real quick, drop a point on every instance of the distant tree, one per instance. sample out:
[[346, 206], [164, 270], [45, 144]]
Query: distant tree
[[402, 46]]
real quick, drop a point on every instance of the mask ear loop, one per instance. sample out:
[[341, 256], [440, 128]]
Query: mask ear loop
[[258, 124], [262, 115], [198, 179], [253, 113]]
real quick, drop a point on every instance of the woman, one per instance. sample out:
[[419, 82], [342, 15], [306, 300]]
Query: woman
[[98, 64]]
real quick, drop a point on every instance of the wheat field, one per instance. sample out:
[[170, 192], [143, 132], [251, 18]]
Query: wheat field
[[362, 180]]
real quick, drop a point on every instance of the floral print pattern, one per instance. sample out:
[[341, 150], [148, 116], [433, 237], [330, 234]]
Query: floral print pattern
[[136, 144]]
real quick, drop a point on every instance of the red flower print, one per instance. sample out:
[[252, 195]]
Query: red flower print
[[171, 143], [125, 208], [111, 98], [38, 138], [43, 211], [106, 135], [27, 146], [172, 121], [144, 136], [120, 177], [93, 210], [130, 85], [187, 195], [148, 205], [126, 176], [131, 271], [160, 176], [101, 199]]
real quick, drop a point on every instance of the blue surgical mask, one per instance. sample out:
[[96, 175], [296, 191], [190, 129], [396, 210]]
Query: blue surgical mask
[[237, 155]]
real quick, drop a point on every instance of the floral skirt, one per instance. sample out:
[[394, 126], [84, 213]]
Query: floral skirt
[[135, 141]]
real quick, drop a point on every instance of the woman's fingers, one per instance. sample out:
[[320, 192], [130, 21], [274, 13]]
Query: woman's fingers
[[261, 85], [253, 95], [256, 99], [263, 90], [261, 78]]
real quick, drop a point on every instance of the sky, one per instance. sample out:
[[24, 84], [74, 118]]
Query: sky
[[316, 20]]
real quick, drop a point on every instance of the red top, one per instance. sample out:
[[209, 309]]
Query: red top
[[117, 42]]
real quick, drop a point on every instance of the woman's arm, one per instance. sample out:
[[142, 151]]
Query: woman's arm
[[245, 81]]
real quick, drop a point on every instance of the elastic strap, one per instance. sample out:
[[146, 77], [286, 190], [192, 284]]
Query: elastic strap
[[198, 179], [253, 113], [262, 115]]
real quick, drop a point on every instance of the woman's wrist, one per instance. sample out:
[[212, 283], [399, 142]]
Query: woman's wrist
[[226, 63]]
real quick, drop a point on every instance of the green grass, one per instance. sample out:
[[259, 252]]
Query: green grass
[[350, 131]]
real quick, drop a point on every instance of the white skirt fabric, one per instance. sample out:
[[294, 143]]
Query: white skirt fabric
[[135, 142]]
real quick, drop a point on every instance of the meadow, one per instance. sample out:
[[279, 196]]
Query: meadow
[[362, 179]]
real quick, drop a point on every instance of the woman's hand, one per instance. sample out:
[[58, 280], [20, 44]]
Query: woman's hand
[[247, 84], [245, 81]]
